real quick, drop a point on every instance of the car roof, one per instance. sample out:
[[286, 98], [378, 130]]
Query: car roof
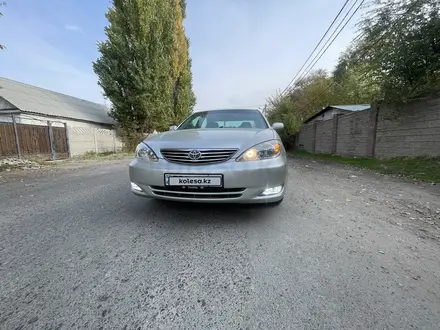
[[226, 109]]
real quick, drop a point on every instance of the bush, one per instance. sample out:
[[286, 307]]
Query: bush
[[129, 137]]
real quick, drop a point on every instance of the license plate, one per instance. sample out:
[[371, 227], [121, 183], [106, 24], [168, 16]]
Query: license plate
[[193, 180]]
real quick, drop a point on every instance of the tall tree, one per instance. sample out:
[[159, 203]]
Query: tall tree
[[183, 95], [2, 3], [354, 81], [400, 47], [306, 97], [395, 57], [139, 65]]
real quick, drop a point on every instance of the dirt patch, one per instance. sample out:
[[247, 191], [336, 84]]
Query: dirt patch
[[53, 169], [349, 191]]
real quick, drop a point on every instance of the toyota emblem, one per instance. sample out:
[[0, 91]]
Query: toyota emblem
[[194, 155]]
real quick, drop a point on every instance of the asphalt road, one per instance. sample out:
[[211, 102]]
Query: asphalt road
[[345, 250]]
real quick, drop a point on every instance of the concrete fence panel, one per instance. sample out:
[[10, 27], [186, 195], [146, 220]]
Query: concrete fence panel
[[85, 139], [410, 130], [324, 136], [82, 140], [352, 134], [305, 138], [385, 131]]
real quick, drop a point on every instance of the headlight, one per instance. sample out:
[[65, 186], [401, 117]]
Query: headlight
[[265, 150], [143, 151]]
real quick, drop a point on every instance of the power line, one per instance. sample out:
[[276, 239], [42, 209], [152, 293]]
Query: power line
[[315, 59], [368, 49], [343, 27], [328, 29]]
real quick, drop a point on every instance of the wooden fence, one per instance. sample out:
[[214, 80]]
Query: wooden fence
[[33, 140]]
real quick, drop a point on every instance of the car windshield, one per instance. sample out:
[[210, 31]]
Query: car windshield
[[225, 119]]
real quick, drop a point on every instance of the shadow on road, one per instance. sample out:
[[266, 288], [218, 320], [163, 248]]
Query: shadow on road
[[184, 212]]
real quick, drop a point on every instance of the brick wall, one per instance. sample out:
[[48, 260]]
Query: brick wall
[[382, 131]]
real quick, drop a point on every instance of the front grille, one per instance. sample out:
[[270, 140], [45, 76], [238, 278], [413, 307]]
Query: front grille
[[207, 156], [199, 193]]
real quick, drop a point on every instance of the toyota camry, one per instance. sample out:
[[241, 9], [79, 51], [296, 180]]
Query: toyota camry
[[217, 156]]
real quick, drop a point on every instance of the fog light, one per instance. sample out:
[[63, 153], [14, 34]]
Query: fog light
[[272, 191], [134, 186]]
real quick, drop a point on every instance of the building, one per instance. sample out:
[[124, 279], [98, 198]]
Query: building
[[332, 110], [30, 110], [31, 103]]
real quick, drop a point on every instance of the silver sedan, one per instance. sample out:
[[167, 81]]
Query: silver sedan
[[217, 156]]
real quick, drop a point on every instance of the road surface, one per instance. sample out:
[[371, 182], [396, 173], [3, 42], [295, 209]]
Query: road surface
[[347, 249]]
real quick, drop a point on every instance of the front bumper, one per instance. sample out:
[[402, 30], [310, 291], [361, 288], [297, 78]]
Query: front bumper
[[242, 182]]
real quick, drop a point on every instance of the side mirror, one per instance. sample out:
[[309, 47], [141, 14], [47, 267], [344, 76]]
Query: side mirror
[[278, 126], [173, 127]]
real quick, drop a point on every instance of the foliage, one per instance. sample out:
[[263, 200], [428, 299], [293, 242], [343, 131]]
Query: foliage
[[401, 47], [395, 57], [301, 101], [183, 95], [2, 3], [102, 156], [354, 81], [144, 67]]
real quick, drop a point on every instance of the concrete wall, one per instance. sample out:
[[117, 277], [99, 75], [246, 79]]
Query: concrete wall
[[414, 132], [352, 134], [382, 131], [92, 139], [324, 136], [306, 137], [83, 137]]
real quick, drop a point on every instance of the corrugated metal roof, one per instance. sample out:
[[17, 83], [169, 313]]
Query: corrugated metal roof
[[42, 101], [352, 107], [5, 105]]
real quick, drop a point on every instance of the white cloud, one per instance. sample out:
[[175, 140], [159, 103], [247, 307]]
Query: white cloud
[[74, 28]]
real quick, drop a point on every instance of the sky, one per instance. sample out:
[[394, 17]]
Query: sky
[[243, 51]]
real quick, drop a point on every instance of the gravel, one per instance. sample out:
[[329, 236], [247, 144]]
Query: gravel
[[24, 164], [346, 249]]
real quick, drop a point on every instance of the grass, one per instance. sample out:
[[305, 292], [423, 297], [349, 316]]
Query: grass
[[425, 169], [4, 167], [109, 155]]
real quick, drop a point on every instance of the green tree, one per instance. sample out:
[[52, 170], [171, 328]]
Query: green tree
[[306, 97], [313, 92], [140, 65], [354, 81], [395, 57], [400, 47], [183, 95]]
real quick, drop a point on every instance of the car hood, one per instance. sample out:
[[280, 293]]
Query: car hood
[[210, 138]]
